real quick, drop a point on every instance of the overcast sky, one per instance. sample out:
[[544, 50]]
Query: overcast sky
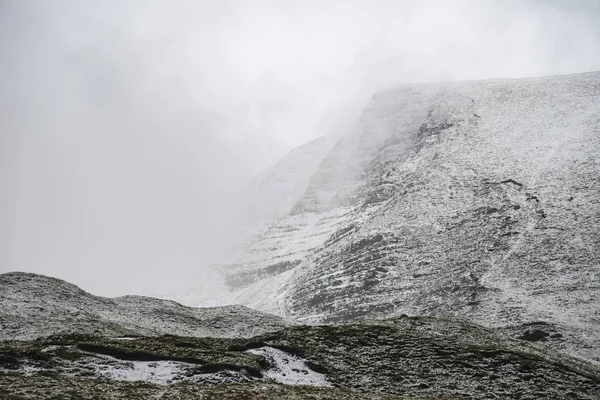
[[127, 125]]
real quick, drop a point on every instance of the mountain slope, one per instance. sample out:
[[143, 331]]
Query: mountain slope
[[476, 200], [33, 306]]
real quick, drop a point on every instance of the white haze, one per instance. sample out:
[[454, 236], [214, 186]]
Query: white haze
[[127, 127]]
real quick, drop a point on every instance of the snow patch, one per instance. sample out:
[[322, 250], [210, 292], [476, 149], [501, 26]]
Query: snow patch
[[156, 372], [289, 369], [26, 368]]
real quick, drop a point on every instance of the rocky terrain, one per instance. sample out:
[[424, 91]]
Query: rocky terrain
[[475, 200], [404, 357]]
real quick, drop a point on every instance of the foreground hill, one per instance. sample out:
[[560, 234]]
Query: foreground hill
[[404, 357], [34, 306], [477, 200], [414, 357]]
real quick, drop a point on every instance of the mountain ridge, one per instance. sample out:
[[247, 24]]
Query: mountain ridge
[[36, 306]]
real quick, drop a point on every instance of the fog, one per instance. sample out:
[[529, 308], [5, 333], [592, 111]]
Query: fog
[[128, 128]]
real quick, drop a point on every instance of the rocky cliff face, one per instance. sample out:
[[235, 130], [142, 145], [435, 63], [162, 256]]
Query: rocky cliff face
[[478, 200]]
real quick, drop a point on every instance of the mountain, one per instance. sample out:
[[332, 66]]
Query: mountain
[[61, 342], [33, 306], [475, 200]]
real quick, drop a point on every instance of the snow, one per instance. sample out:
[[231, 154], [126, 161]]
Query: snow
[[156, 372], [25, 369], [289, 369]]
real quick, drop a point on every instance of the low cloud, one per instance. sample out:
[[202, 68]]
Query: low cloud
[[128, 128]]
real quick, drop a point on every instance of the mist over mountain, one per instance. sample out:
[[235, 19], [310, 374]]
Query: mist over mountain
[[128, 129], [475, 200]]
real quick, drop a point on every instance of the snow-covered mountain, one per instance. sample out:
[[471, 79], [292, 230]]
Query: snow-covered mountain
[[478, 200]]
